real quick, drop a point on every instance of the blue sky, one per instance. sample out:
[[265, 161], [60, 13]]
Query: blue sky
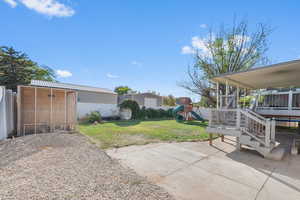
[[133, 42]]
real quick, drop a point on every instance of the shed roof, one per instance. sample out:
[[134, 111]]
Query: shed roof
[[69, 86], [281, 75]]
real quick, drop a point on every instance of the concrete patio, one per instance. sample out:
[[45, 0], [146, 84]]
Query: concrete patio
[[195, 170]]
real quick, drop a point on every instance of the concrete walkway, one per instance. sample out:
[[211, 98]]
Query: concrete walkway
[[193, 171]]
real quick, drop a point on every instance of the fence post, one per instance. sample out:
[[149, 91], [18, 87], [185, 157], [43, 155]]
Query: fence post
[[268, 132], [273, 130], [238, 119], [3, 115], [210, 118]]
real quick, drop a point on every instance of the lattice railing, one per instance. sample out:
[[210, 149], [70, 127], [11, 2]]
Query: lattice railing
[[249, 122], [223, 118]]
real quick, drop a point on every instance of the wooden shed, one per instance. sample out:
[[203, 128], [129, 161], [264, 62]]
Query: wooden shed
[[45, 109]]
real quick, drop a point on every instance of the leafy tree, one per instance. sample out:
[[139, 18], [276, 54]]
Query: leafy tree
[[169, 100], [202, 103], [122, 90], [228, 50], [17, 69]]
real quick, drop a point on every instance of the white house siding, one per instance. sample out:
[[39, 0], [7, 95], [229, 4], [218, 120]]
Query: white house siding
[[106, 110], [150, 102], [203, 112], [105, 103]]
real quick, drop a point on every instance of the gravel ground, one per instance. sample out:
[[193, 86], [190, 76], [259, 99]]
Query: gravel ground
[[67, 166]]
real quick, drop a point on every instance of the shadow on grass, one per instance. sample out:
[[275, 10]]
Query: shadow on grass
[[126, 123], [195, 123], [123, 123]]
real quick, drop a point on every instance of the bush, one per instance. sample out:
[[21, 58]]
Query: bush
[[152, 113], [94, 117], [143, 113], [160, 113], [170, 112], [133, 106]]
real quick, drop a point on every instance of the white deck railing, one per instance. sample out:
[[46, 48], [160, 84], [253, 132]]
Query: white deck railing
[[248, 122]]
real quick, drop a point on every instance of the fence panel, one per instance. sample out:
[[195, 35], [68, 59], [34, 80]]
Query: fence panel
[[7, 113]]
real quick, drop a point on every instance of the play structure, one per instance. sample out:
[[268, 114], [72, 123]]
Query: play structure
[[184, 110]]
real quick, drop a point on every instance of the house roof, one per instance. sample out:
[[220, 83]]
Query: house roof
[[142, 94], [69, 86], [281, 75]]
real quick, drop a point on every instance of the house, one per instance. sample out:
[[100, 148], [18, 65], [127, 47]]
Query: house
[[149, 100], [88, 98], [256, 128]]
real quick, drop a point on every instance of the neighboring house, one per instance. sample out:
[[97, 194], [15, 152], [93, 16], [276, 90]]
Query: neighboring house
[[149, 100], [89, 98]]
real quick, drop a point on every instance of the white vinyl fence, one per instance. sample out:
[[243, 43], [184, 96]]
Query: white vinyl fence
[[7, 112], [203, 112]]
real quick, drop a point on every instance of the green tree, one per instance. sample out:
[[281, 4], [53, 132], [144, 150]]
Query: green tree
[[17, 69], [226, 50], [122, 90], [169, 100]]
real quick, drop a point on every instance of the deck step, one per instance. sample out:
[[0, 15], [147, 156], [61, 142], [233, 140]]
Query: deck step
[[276, 154]]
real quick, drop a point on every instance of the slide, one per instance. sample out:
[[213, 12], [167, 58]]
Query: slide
[[196, 116], [178, 109], [179, 117], [175, 113]]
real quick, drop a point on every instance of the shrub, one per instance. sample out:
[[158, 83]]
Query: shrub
[[170, 113], [143, 113], [94, 117], [152, 113], [133, 106], [160, 113]]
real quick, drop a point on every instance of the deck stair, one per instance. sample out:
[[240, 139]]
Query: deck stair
[[250, 128]]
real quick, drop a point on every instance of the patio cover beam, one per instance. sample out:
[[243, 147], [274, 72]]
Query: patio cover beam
[[282, 75]]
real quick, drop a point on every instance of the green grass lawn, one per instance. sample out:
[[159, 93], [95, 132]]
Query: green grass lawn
[[124, 133]]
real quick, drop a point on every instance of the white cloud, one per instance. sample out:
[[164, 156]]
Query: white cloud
[[109, 75], [203, 25], [239, 39], [12, 3], [187, 50], [63, 73], [134, 62], [51, 8], [200, 44]]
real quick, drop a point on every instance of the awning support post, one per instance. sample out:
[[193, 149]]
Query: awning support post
[[245, 93], [218, 98], [238, 97], [226, 93], [290, 100]]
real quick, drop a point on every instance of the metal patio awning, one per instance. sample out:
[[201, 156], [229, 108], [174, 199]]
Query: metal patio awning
[[281, 75]]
